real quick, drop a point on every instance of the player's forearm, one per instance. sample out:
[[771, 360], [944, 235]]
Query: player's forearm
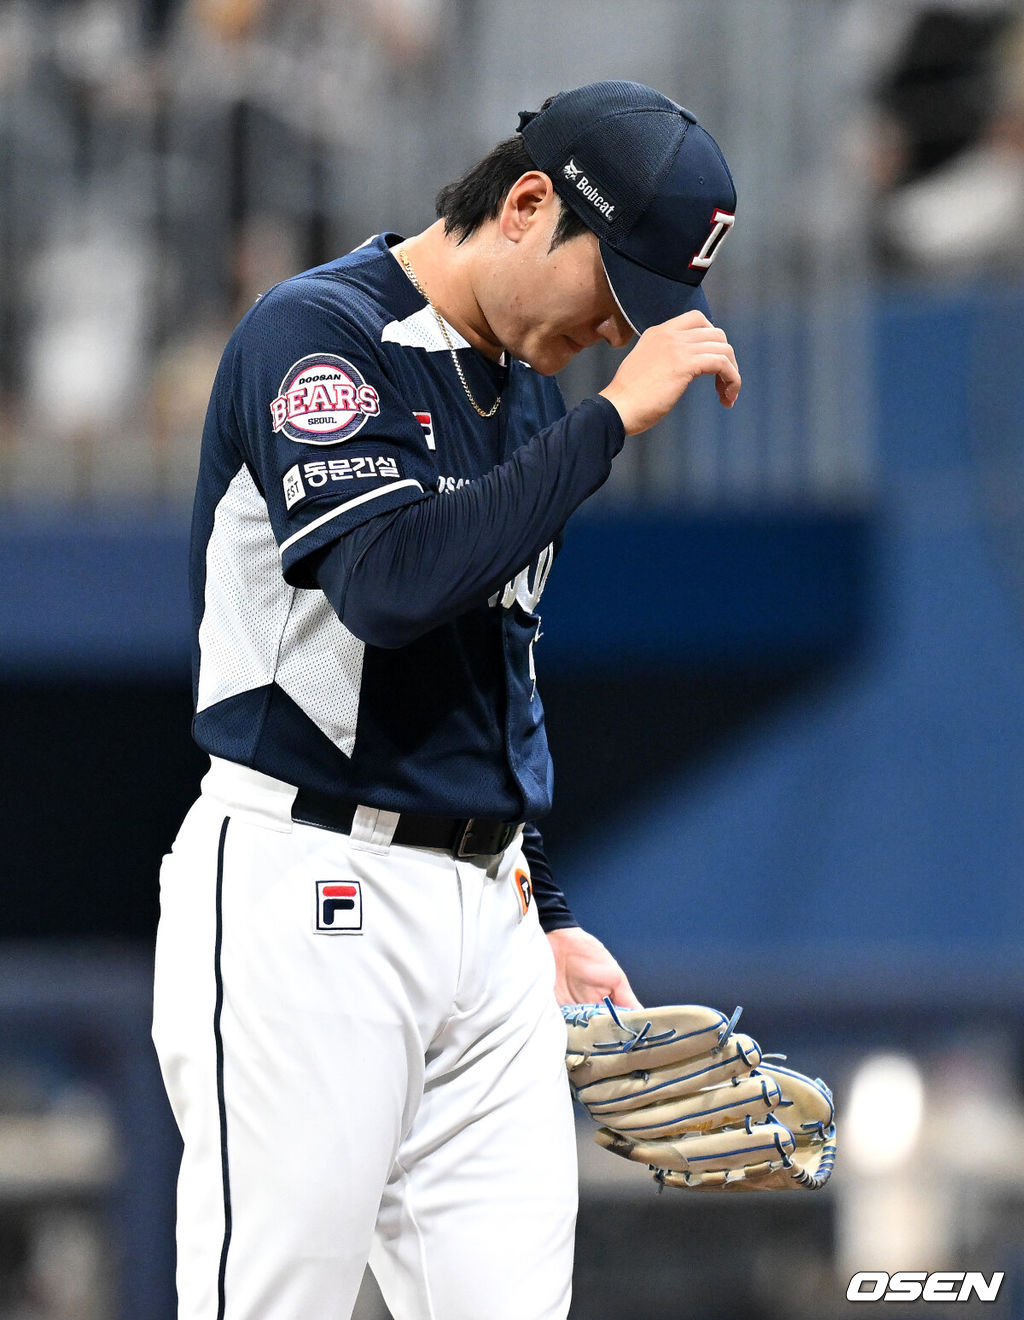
[[401, 575]]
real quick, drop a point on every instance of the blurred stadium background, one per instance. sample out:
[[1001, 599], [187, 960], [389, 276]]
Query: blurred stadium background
[[783, 658]]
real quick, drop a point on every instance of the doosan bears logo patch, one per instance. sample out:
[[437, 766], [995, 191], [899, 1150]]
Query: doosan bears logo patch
[[323, 400]]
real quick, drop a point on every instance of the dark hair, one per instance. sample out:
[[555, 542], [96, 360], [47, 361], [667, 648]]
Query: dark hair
[[480, 194]]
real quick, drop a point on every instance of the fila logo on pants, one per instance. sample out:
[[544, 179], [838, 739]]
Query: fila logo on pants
[[339, 907]]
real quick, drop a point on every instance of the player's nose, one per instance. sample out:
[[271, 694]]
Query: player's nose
[[615, 329]]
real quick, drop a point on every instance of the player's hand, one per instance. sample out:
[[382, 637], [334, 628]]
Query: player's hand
[[585, 972], [665, 359]]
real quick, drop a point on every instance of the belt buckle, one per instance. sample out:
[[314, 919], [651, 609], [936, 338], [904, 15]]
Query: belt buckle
[[500, 835], [463, 843]]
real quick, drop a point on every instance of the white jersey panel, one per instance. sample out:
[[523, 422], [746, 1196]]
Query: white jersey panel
[[258, 630], [321, 668], [247, 600], [421, 330]]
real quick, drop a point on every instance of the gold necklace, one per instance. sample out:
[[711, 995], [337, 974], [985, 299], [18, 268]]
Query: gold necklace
[[447, 338]]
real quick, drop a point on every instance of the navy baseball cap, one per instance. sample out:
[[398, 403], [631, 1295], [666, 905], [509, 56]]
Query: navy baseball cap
[[649, 181]]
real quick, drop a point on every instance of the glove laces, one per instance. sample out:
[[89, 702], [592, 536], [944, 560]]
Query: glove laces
[[578, 1015]]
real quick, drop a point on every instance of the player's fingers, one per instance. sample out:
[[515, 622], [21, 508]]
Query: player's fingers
[[728, 386], [622, 994], [688, 320], [718, 364], [708, 340], [707, 332], [722, 365], [595, 988]]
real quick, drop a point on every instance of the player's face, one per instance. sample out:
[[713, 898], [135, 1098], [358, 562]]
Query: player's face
[[558, 301]]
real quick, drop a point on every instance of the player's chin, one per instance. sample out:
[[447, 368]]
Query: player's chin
[[553, 354]]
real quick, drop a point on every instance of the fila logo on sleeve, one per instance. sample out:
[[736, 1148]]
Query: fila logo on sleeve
[[427, 422], [339, 907]]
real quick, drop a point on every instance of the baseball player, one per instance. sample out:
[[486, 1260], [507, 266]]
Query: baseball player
[[359, 932]]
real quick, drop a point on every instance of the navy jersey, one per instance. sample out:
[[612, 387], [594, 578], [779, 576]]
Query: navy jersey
[[336, 405]]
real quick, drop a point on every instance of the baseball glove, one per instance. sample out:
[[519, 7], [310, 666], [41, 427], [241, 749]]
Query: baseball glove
[[679, 1089]]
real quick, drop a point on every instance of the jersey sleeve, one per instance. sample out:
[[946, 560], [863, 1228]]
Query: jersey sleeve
[[387, 592], [328, 437], [553, 911]]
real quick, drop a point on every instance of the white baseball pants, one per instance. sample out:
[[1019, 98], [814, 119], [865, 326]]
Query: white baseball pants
[[362, 1049]]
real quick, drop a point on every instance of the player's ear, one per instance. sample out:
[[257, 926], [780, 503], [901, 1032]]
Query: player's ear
[[527, 203]]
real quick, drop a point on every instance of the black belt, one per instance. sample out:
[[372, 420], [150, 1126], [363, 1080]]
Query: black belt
[[462, 838]]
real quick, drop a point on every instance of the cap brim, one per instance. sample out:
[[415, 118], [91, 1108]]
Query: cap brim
[[647, 299]]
